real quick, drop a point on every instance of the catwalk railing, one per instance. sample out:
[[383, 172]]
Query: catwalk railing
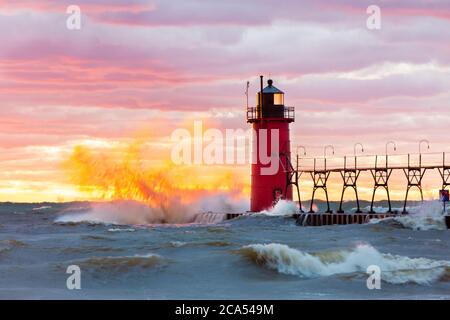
[[414, 167]]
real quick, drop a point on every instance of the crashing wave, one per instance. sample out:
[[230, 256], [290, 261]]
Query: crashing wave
[[282, 208], [395, 269], [128, 212], [427, 216], [124, 213]]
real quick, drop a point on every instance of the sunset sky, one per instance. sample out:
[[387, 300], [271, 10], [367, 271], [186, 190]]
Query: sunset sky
[[139, 69]]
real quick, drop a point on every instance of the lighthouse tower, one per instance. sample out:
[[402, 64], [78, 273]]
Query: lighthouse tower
[[270, 120]]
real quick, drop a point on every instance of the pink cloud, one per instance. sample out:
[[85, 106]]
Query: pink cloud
[[139, 64], [233, 12]]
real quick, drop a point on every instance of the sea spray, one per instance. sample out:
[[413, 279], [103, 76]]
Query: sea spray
[[282, 208], [427, 216], [143, 194], [128, 212], [395, 269]]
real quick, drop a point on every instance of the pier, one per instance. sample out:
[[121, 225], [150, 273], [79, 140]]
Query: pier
[[327, 219], [379, 168], [349, 168]]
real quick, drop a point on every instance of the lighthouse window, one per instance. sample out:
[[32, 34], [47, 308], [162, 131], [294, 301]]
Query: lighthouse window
[[278, 99], [258, 99]]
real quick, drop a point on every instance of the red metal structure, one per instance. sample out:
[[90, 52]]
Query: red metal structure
[[270, 119]]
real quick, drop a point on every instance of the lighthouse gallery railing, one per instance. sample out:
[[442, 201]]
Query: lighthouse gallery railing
[[288, 113]]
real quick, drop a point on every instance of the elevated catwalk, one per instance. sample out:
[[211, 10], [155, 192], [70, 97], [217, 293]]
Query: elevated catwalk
[[414, 167]]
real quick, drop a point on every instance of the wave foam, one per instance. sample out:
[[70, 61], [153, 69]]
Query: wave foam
[[395, 269], [427, 216], [125, 213], [41, 208], [121, 230], [177, 244], [282, 208], [129, 212]]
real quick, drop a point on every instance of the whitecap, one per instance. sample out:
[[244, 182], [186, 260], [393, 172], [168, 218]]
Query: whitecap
[[282, 208], [121, 230], [177, 244], [41, 208], [395, 269], [427, 216]]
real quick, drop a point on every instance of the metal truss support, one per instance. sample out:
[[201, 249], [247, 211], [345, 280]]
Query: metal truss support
[[320, 179], [445, 173], [292, 178], [381, 179], [349, 177], [414, 176]]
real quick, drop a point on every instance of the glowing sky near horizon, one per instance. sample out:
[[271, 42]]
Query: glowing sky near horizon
[[139, 69]]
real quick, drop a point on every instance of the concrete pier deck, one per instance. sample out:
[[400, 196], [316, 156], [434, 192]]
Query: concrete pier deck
[[327, 219]]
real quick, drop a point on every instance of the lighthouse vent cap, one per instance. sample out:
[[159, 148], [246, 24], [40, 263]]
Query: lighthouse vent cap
[[270, 82]]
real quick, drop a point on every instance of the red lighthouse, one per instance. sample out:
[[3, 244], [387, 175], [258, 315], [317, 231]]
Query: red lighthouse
[[270, 120]]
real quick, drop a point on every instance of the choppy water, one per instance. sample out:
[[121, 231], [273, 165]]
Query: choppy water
[[252, 257]]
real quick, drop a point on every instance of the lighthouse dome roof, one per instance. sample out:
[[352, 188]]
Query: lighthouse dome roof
[[271, 88]]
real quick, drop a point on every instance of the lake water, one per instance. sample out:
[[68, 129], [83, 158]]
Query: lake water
[[265, 256]]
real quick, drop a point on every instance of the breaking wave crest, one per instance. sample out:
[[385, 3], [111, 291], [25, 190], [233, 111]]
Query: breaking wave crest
[[395, 269], [282, 208], [126, 213], [129, 212], [177, 244], [121, 230], [427, 216]]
